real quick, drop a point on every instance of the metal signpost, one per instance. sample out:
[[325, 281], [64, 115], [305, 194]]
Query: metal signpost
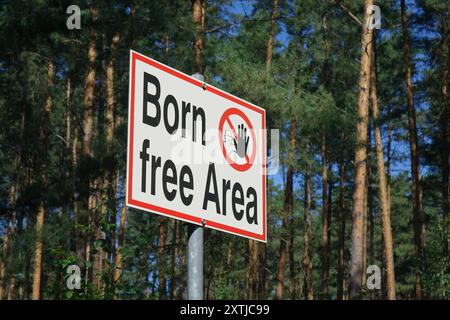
[[195, 251]]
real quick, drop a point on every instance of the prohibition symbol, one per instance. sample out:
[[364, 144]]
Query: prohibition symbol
[[238, 140]]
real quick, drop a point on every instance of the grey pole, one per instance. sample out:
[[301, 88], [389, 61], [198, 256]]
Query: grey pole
[[195, 251], [195, 262]]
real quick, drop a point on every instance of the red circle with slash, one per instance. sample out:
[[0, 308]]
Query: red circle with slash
[[226, 118]]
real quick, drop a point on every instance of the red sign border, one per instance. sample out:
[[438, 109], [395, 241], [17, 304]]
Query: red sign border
[[171, 213]]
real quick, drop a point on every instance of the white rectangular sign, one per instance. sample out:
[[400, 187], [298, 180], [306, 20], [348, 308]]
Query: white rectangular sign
[[195, 152]]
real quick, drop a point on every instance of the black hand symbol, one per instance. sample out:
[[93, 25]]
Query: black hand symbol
[[241, 143]]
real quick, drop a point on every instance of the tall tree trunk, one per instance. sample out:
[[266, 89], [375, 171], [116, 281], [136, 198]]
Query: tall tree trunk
[[11, 286], [371, 221], [118, 261], [307, 255], [198, 17], [68, 120], [27, 282], [253, 268], [291, 219], [262, 277], [443, 124], [262, 247], [44, 139], [246, 280], [10, 229], [79, 235], [419, 218], [263, 284], [272, 32], [443, 136], [371, 227], [2, 262], [330, 208], [13, 193], [287, 210], [281, 264], [162, 288], [111, 101], [88, 119], [74, 168], [385, 205], [260, 250], [292, 288], [388, 158], [366, 206], [325, 220], [173, 260], [324, 150], [113, 216], [70, 174], [109, 183], [342, 220], [29, 227], [183, 266], [86, 145], [70, 177], [356, 263]]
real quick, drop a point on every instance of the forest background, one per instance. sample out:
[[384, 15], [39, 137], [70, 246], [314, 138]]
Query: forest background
[[364, 147]]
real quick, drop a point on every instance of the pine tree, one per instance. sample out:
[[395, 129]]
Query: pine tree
[[356, 265], [419, 218], [382, 184]]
